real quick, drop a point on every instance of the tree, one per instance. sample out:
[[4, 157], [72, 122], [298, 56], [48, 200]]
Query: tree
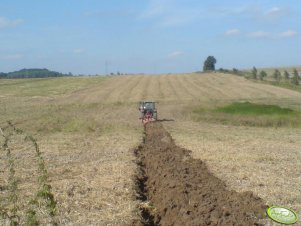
[[209, 64], [277, 75], [33, 73], [254, 73], [235, 71], [262, 75], [295, 78], [2, 75], [295, 73], [286, 75]]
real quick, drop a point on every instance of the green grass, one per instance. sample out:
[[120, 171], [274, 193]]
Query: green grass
[[285, 84], [250, 114], [248, 108]]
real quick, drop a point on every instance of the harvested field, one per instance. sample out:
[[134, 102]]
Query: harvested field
[[87, 129]]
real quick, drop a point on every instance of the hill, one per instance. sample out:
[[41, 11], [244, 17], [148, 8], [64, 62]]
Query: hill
[[32, 73]]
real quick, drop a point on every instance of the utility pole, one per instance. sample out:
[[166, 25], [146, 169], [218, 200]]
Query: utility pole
[[106, 66]]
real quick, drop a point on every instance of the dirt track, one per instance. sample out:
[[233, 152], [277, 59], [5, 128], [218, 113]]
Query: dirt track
[[179, 190]]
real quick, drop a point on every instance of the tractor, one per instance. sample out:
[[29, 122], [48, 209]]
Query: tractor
[[148, 111]]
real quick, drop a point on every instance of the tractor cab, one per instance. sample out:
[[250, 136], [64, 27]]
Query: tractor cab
[[148, 111], [148, 105]]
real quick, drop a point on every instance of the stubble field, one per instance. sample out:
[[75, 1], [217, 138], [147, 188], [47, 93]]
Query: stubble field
[[87, 129]]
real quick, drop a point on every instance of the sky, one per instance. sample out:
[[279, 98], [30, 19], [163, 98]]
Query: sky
[[148, 36]]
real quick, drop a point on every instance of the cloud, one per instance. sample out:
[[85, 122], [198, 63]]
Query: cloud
[[78, 51], [156, 8], [175, 54], [288, 34], [110, 14], [232, 32], [276, 12], [273, 11], [255, 12], [182, 19], [12, 57], [270, 15], [265, 34], [5, 23], [167, 13], [259, 34]]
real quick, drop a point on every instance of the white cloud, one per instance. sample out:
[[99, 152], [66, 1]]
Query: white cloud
[[265, 34], [288, 34], [175, 54], [232, 32], [276, 12], [167, 13], [254, 12], [109, 13], [78, 51], [4, 22], [259, 34], [12, 57], [156, 8]]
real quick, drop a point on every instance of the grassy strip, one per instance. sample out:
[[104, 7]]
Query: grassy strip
[[282, 83], [44, 188], [43, 197], [12, 212], [248, 108], [250, 114], [286, 85]]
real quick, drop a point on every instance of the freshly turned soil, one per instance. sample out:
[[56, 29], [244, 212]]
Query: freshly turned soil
[[180, 190]]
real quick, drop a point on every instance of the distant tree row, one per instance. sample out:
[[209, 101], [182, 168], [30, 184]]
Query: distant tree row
[[233, 71], [33, 73], [117, 73], [293, 78], [277, 75]]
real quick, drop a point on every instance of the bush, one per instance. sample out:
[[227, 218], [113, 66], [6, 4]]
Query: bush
[[295, 79], [277, 75], [262, 75], [286, 75], [254, 73]]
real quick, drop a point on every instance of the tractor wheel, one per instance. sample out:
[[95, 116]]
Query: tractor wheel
[[155, 116]]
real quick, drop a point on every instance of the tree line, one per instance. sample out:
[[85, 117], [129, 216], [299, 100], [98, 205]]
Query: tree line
[[293, 78], [32, 73]]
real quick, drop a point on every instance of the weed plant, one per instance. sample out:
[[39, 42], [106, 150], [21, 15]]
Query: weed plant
[[43, 196]]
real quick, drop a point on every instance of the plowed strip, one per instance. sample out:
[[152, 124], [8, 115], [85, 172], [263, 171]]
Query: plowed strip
[[179, 190]]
